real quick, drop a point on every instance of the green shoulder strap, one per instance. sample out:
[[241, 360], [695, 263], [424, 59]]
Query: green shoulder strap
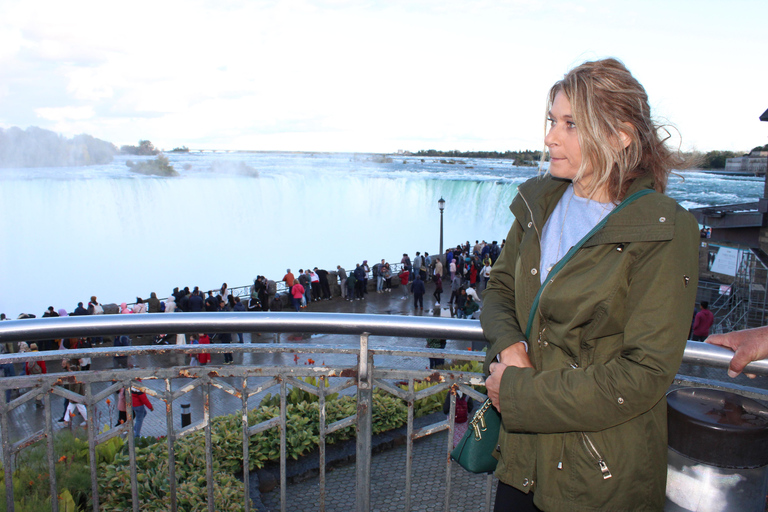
[[574, 250]]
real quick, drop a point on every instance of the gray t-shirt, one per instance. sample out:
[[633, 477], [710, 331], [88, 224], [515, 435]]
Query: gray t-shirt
[[572, 219]]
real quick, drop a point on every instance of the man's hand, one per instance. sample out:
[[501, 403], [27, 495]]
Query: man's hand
[[749, 345]]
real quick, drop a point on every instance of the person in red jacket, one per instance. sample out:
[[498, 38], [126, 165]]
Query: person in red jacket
[[140, 403], [702, 323], [204, 357], [297, 292]]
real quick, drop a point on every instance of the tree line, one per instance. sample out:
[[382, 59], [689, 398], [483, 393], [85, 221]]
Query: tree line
[[520, 157], [716, 159]]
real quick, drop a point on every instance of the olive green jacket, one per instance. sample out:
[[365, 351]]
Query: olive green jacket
[[586, 428]]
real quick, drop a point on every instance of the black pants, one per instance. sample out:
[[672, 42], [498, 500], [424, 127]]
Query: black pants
[[418, 300], [509, 499], [437, 294]]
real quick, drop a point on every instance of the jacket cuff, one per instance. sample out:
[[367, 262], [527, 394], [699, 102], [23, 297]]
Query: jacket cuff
[[511, 379]]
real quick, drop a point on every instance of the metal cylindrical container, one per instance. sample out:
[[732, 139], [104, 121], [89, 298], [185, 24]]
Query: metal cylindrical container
[[186, 416], [718, 452]]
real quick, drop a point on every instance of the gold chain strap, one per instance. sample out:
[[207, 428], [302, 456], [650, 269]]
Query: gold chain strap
[[478, 421]]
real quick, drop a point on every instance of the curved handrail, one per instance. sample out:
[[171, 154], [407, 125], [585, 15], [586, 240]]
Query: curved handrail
[[327, 323]]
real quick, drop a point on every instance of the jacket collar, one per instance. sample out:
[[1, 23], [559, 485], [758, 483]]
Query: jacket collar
[[650, 218]]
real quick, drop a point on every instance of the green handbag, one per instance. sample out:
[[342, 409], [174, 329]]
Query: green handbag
[[475, 450]]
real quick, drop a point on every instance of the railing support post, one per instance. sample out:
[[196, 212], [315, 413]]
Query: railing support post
[[364, 425]]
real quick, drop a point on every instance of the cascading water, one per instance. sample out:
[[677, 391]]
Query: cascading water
[[70, 233]]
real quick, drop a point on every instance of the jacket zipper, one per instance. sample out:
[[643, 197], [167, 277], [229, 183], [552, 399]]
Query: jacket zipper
[[589, 445]]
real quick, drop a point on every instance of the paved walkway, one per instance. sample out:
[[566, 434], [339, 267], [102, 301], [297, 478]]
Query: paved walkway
[[388, 484]]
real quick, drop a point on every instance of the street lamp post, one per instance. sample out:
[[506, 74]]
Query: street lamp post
[[441, 205]]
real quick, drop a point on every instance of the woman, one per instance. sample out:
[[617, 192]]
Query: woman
[[438, 290], [297, 292], [140, 402], [224, 291], [581, 396]]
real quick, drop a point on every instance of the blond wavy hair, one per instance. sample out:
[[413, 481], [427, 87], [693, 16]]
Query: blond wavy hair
[[606, 102]]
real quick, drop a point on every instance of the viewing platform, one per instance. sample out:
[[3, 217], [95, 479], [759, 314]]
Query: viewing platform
[[355, 347]]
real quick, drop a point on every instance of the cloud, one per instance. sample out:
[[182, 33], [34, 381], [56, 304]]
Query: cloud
[[58, 114]]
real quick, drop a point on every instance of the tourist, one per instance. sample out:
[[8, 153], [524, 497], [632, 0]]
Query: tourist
[[314, 281], [378, 273], [580, 375], [94, 308], [438, 268], [405, 261], [360, 277], [471, 292], [418, 289], [204, 357], [193, 358], [75, 387], [196, 303], [342, 275], [288, 278], [404, 276], [305, 282], [464, 407], [32, 367], [79, 310], [438, 290], [224, 292], [211, 303], [418, 264], [325, 290], [153, 303], [702, 322], [170, 305], [470, 306], [140, 307], [366, 272], [297, 293], [386, 274], [351, 282], [122, 414], [140, 402], [270, 291]]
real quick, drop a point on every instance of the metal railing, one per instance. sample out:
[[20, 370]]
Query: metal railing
[[363, 375]]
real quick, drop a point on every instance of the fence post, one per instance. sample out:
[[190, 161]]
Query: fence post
[[364, 425]]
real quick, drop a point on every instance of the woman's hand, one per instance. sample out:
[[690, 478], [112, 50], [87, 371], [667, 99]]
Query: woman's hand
[[514, 355], [493, 382]]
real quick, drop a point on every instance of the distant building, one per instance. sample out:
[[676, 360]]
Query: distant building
[[754, 163], [746, 223]]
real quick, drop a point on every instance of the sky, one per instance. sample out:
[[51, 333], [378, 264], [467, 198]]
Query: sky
[[371, 76]]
